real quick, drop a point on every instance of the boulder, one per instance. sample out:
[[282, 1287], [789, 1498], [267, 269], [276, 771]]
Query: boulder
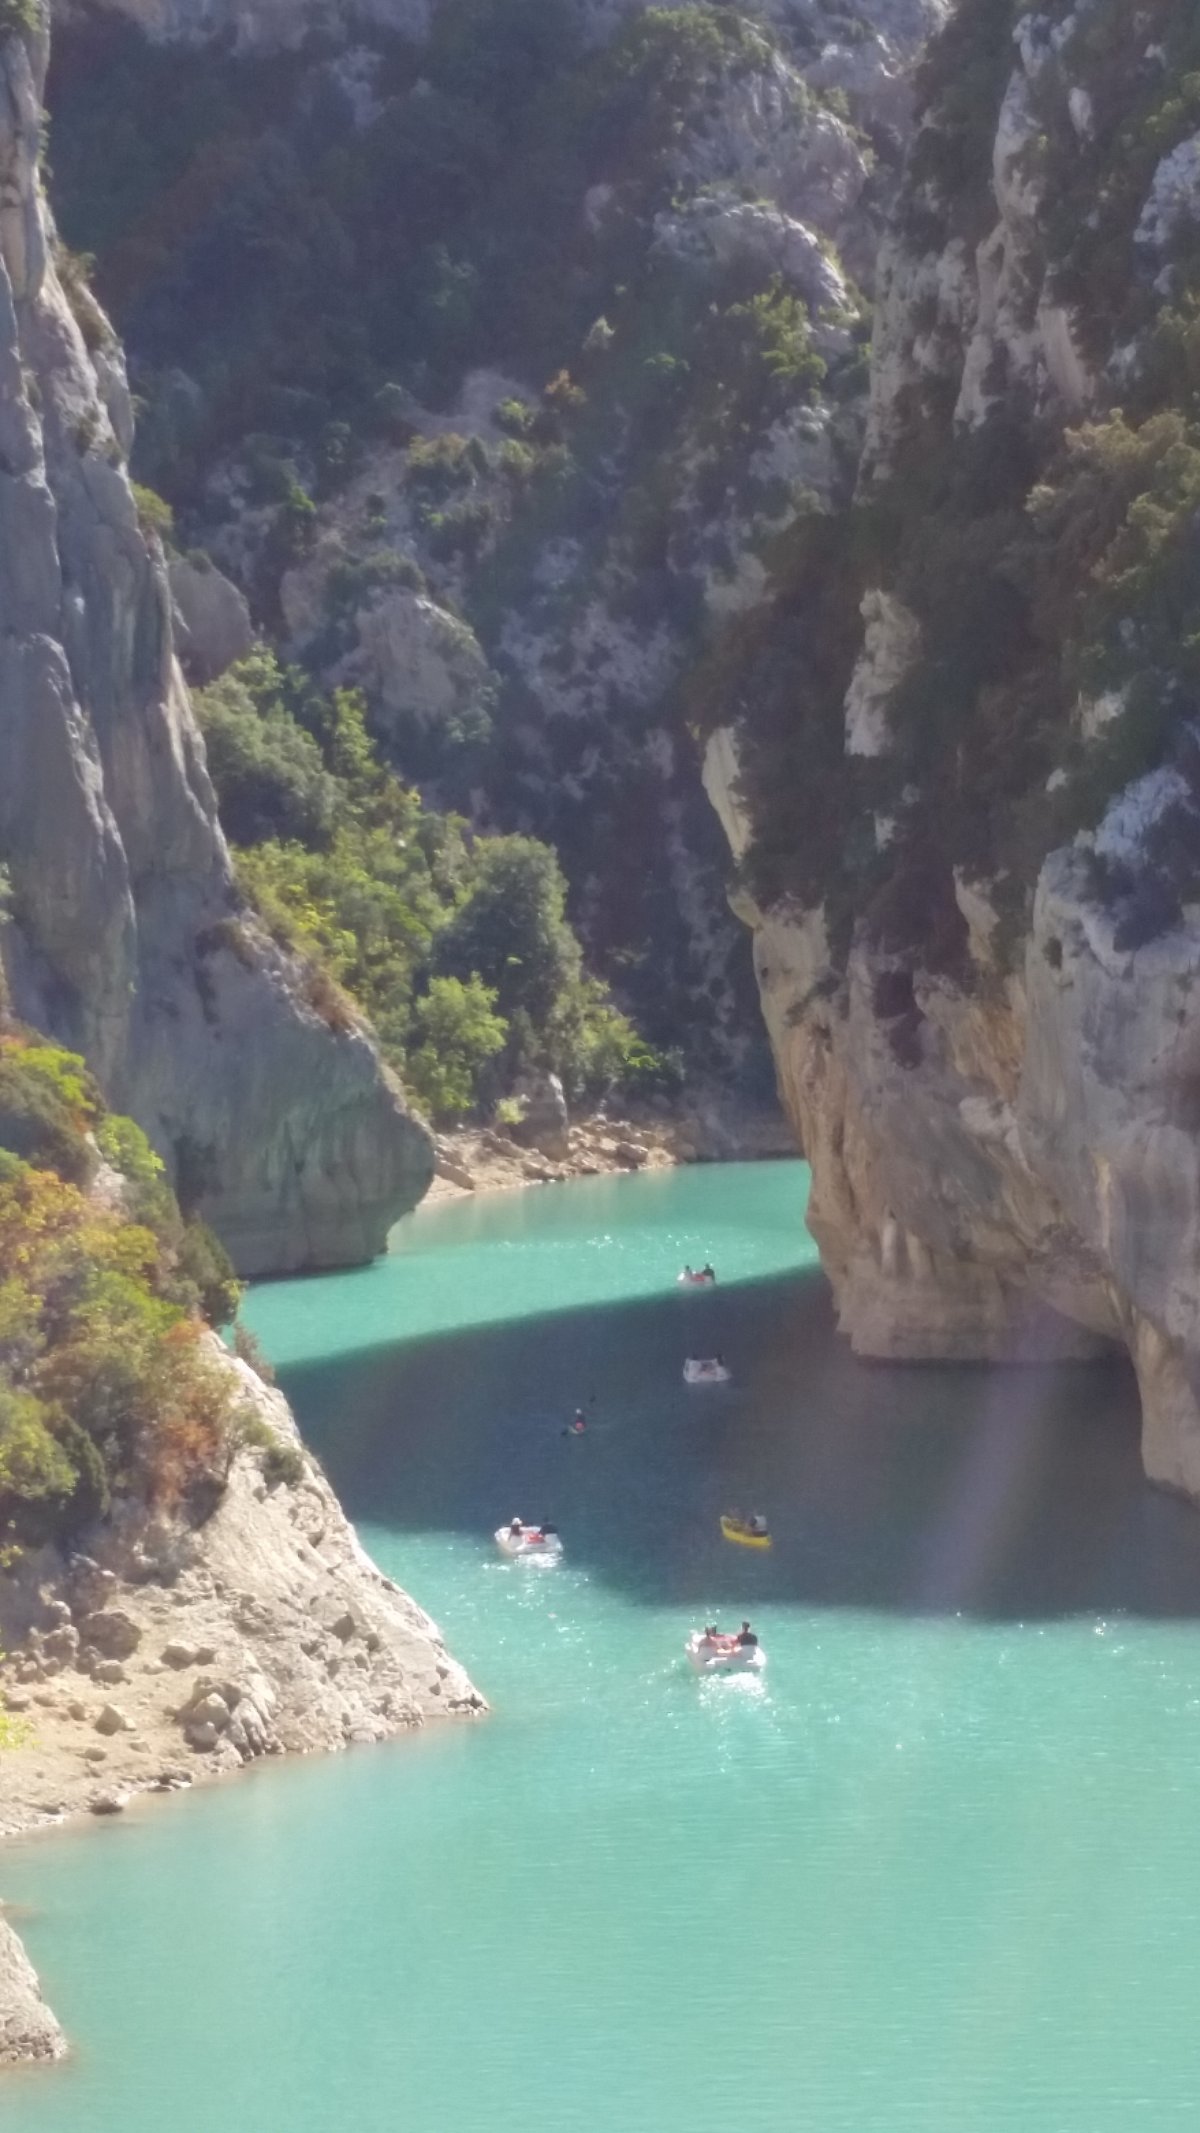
[[545, 1122], [179, 1655], [60, 1646], [89, 1584], [426, 667], [112, 1633], [207, 1708], [112, 1719], [212, 620]]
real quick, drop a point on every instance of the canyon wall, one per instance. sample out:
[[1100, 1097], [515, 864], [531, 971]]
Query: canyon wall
[[120, 928], [560, 315], [984, 995]]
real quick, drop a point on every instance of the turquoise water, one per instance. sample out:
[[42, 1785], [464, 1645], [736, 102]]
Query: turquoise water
[[937, 1873]]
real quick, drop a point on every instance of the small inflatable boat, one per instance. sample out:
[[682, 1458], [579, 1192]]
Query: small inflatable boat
[[533, 1543], [705, 1370], [724, 1657], [747, 1532], [688, 1280]]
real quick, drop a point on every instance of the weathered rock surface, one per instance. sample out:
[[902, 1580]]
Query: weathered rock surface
[[271, 1109], [424, 666], [212, 619], [1003, 1145], [28, 2030], [545, 1124], [570, 616], [265, 1630]]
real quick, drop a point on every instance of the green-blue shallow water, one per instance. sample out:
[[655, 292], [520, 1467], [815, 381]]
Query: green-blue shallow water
[[938, 1873]]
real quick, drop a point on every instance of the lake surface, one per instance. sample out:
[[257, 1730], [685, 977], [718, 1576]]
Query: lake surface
[[939, 1872]]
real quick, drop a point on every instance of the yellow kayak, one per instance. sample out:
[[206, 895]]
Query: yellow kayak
[[734, 1530]]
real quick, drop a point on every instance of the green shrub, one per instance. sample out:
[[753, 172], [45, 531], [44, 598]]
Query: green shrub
[[48, 1106], [457, 1034], [105, 1379], [283, 1466], [155, 516], [268, 772]]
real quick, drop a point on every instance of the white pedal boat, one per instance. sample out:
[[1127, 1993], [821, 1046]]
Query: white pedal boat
[[531, 1543], [705, 1370], [724, 1658], [689, 1280]]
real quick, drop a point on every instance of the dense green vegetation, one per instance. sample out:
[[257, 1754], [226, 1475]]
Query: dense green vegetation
[[297, 252], [457, 947], [107, 1383], [1042, 569], [300, 268]]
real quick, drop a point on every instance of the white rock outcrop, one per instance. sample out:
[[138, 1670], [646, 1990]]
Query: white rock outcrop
[[422, 664], [28, 2030], [265, 1629], [212, 619]]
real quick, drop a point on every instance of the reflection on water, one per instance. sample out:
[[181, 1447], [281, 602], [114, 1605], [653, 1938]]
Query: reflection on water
[[1015, 1492], [935, 1872]]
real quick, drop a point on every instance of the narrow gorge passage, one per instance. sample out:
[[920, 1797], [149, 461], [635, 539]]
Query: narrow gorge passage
[[864, 1893]]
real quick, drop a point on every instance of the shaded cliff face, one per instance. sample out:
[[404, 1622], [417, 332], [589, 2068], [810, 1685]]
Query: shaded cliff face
[[121, 934], [559, 314], [964, 795]]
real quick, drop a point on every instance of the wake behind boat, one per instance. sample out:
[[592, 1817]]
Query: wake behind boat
[[521, 1542], [699, 1278], [706, 1370], [711, 1653], [751, 1532]]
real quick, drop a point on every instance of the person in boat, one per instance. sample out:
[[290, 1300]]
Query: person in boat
[[756, 1523], [688, 1274], [578, 1423], [707, 1273], [745, 1639]]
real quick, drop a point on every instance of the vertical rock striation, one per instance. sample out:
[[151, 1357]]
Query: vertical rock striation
[[988, 1037], [124, 935]]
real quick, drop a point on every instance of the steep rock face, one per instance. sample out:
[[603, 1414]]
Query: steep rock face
[[28, 2030], [124, 937], [987, 1039], [513, 340], [566, 557], [165, 1653]]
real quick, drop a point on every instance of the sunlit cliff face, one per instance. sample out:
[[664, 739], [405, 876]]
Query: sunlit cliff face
[[981, 995]]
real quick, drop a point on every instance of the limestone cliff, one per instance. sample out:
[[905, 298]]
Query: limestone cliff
[[966, 819], [162, 1652], [121, 930], [606, 267]]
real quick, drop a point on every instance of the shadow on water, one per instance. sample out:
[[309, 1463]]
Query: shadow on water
[[1001, 1494]]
